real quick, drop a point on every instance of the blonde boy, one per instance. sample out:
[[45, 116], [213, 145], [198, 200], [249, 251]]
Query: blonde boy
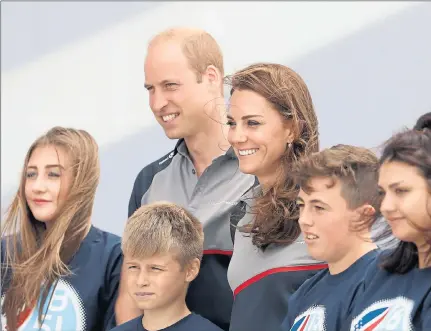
[[162, 246]]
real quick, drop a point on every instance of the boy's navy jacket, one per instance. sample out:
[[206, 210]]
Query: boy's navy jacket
[[396, 302], [324, 302], [191, 322], [84, 300]]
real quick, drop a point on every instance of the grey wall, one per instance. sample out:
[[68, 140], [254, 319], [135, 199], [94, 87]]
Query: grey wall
[[365, 85]]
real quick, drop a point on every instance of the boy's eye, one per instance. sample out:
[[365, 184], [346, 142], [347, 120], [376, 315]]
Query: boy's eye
[[156, 268], [318, 208]]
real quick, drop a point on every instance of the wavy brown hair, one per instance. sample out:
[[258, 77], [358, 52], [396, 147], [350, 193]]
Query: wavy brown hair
[[35, 255], [276, 213]]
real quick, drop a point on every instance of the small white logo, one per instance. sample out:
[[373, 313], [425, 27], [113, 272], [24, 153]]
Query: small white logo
[[170, 156], [313, 319]]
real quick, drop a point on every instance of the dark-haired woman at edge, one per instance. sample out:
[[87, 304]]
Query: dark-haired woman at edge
[[397, 288]]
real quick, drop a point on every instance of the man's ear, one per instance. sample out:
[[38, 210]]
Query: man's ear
[[213, 76], [192, 269]]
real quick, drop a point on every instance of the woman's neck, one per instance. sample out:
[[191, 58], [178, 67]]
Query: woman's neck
[[424, 256]]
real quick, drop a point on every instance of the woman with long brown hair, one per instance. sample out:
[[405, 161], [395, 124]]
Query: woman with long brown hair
[[272, 123], [397, 287], [59, 272]]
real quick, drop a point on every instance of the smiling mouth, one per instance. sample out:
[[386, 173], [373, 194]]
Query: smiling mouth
[[170, 117], [245, 152], [311, 236]]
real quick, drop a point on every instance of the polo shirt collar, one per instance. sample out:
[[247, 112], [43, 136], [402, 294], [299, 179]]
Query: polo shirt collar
[[181, 148]]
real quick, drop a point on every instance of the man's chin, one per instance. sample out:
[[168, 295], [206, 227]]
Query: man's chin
[[173, 134]]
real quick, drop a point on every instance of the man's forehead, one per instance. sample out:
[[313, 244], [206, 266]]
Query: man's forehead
[[165, 49], [164, 63], [164, 73], [164, 68]]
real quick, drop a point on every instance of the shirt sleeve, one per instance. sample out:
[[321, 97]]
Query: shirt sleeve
[[426, 313], [112, 282], [290, 316], [141, 185], [145, 178], [5, 273], [134, 202]]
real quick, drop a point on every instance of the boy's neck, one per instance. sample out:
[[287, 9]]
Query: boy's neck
[[158, 319], [359, 250]]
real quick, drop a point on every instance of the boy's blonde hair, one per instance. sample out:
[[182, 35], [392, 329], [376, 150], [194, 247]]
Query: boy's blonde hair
[[163, 227]]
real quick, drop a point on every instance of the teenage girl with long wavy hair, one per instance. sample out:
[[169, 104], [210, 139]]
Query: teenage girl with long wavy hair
[[58, 270]]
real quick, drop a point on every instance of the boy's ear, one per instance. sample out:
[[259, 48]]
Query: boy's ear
[[365, 212], [193, 269]]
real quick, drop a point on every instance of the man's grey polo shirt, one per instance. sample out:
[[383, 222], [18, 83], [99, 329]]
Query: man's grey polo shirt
[[211, 197]]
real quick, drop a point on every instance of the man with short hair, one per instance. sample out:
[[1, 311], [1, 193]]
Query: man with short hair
[[184, 78]]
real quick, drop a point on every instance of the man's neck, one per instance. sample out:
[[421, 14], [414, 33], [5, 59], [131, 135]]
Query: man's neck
[[354, 254], [207, 145], [158, 319]]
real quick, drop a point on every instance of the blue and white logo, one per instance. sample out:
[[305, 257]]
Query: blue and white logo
[[65, 312], [311, 320], [393, 315]]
